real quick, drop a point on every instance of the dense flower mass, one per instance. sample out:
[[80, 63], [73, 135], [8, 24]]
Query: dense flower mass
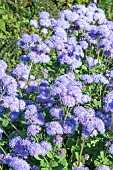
[[111, 149], [103, 168], [81, 168], [15, 162], [56, 105], [69, 90], [54, 128], [56, 111]]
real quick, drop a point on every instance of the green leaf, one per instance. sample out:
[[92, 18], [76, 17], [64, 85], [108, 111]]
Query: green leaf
[[73, 149], [96, 102], [5, 17], [49, 155], [89, 145], [97, 163], [54, 163], [102, 154], [77, 155], [5, 122], [37, 157], [22, 133], [84, 67], [71, 142], [107, 161], [78, 76], [2, 143], [2, 26], [2, 35], [59, 167], [2, 10], [43, 163], [63, 161]]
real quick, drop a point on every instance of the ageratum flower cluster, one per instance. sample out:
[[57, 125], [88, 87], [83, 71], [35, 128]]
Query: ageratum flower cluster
[[56, 105]]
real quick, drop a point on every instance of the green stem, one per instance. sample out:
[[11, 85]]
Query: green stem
[[77, 141], [111, 121], [3, 150], [107, 149], [36, 138], [81, 151], [5, 133], [47, 162], [101, 96], [11, 123], [66, 116], [14, 126], [67, 112], [1, 167], [30, 68]]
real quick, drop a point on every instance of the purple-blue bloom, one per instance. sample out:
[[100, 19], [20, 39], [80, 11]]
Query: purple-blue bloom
[[21, 71], [13, 103], [56, 111], [111, 149], [13, 115], [46, 147], [1, 131], [54, 128], [58, 140], [39, 149], [34, 23], [103, 167], [44, 15], [32, 130], [15, 162], [45, 22], [35, 167], [90, 61], [80, 168], [3, 65]]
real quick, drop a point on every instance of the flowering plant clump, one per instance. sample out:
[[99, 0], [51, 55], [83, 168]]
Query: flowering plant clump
[[56, 105]]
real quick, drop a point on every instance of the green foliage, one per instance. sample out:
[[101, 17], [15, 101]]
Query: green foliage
[[2, 26], [5, 122], [14, 21], [107, 6]]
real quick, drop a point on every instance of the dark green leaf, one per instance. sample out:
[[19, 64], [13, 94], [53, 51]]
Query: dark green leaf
[[5, 122], [54, 163], [49, 155], [2, 26]]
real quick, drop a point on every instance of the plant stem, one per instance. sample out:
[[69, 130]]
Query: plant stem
[[3, 150], [10, 123], [5, 133], [66, 116], [1, 167], [47, 162], [107, 149], [82, 147], [77, 140], [67, 113], [14, 127], [101, 98], [36, 138], [111, 121]]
